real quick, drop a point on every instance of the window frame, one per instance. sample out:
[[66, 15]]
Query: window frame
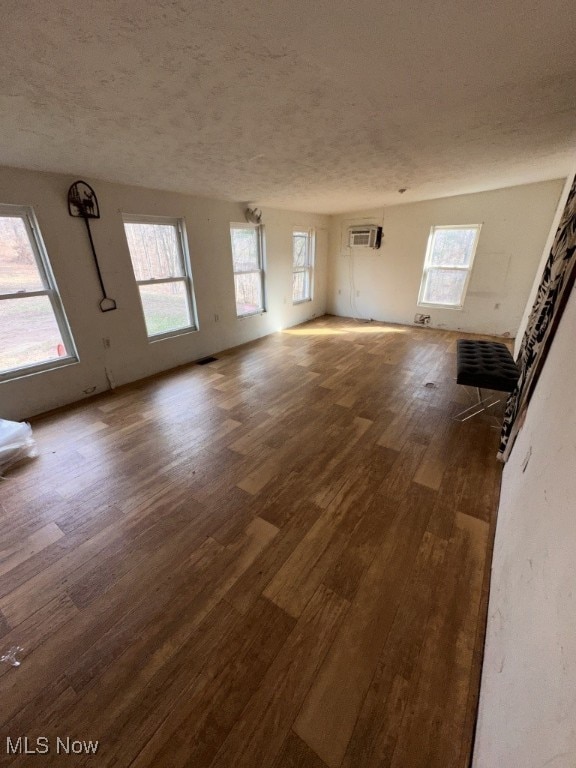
[[50, 289], [429, 267], [261, 271], [308, 269], [186, 278]]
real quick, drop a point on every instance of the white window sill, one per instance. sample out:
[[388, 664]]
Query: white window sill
[[32, 370], [172, 334], [441, 306], [251, 314]]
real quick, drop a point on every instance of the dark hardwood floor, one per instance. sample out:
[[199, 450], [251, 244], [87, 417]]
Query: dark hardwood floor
[[277, 559]]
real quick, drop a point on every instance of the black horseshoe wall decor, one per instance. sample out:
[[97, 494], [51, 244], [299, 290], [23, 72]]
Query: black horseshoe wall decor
[[83, 204]]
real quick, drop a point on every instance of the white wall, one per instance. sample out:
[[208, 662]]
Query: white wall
[[131, 356], [527, 713], [515, 224], [542, 263]]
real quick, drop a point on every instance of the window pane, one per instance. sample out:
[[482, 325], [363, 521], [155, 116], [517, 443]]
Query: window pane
[[155, 250], [245, 251], [300, 249], [29, 333], [445, 286], [18, 269], [248, 293], [300, 286], [453, 247], [165, 307]]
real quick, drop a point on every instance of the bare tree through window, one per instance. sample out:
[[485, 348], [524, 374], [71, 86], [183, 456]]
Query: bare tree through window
[[248, 270], [162, 271], [447, 265], [302, 265], [33, 329]]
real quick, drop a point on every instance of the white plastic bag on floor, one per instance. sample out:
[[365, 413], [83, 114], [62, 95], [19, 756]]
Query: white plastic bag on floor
[[16, 443]]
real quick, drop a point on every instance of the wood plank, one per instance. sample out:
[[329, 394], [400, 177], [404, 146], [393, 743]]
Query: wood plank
[[12, 557], [435, 714], [206, 713], [260, 731], [329, 713], [374, 737], [4, 626], [293, 585], [296, 754]]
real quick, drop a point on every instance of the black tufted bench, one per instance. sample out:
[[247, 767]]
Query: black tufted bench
[[485, 365]]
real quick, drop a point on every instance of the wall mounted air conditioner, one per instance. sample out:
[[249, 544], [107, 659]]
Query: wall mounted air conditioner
[[368, 236]]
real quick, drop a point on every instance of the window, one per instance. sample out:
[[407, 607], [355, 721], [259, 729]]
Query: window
[[448, 265], [34, 334], [162, 271], [302, 265], [248, 268]]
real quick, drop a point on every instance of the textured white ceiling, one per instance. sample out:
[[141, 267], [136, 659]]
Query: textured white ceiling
[[324, 106]]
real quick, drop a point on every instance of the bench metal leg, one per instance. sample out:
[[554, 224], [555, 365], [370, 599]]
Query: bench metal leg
[[483, 404]]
